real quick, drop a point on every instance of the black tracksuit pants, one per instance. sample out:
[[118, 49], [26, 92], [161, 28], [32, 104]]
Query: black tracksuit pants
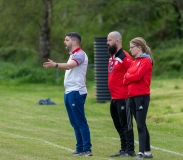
[[139, 107], [124, 128]]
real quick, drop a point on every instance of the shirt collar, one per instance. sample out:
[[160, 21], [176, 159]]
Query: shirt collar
[[77, 49], [116, 55]]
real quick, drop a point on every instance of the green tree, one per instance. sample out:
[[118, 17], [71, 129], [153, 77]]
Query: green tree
[[45, 31], [22, 23]]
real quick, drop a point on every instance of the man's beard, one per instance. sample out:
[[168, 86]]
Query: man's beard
[[112, 49], [68, 48]]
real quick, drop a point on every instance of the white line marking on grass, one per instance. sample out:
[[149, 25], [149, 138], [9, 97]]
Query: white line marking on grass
[[47, 142], [38, 139], [161, 149]]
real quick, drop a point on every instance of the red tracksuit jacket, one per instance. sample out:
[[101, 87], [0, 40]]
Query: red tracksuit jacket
[[117, 67], [138, 76]]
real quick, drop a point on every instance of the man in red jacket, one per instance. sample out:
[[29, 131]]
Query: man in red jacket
[[118, 65]]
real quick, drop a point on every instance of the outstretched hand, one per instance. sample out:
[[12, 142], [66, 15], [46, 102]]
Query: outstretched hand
[[49, 64]]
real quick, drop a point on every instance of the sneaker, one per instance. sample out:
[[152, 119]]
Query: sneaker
[[124, 154], [139, 157], [76, 153], [118, 154], [86, 153], [148, 156], [131, 153]]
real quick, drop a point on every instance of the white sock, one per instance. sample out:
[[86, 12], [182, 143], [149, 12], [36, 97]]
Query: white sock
[[148, 153]]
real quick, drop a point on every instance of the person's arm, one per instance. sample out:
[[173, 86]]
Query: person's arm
[[125, 81], [126, 63], [142, 69], [64, 66]]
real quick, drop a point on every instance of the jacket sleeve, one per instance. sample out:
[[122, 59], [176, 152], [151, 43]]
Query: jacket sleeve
[[145, 64], [125, 81], [127, 63]]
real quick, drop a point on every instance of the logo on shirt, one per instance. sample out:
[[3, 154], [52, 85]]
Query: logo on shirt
[[116, 62], [122, 107], [138, 63], [140, 107], [73, 104], [128, 59], [111, 66]]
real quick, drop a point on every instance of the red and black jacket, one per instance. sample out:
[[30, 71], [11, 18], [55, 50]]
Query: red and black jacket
[[117, 67]]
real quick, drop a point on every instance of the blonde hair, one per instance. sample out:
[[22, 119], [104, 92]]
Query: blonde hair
[[139, 41]]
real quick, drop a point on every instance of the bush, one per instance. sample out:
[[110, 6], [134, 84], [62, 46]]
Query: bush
[[17, 55], [168, 61], [24, 73], [20, 65]]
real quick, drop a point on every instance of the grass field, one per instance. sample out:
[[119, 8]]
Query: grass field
[[39, 132]]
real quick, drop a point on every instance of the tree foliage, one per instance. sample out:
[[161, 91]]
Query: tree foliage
[[157, 21]]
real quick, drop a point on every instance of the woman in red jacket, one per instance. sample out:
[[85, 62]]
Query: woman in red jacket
[[138, 79]]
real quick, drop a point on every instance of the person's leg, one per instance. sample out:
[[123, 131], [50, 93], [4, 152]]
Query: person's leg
[[147, 152], [147, 146], [79, 143], [116, 120], [77, 102], [121, 107], [132, 106], [130, 133], [142, 104]]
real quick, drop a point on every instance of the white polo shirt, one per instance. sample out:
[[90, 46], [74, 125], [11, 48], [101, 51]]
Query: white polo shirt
[[75, 78]]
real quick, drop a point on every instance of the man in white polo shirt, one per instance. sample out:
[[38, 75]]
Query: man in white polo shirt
[[75, 91]]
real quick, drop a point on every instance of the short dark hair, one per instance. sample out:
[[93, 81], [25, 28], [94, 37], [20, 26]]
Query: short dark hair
[[74, 35]]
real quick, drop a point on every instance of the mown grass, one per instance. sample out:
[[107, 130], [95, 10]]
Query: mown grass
[[38, 132]]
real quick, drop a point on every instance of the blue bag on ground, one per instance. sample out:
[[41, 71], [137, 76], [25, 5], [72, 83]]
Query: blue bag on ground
[[46, 102]]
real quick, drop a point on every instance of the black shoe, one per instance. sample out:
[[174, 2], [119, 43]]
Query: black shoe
[[86, 153], [128, 154], [123, 154], [139, 157], [148, 156], [131, 153], [118, 154], [76, 153]]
